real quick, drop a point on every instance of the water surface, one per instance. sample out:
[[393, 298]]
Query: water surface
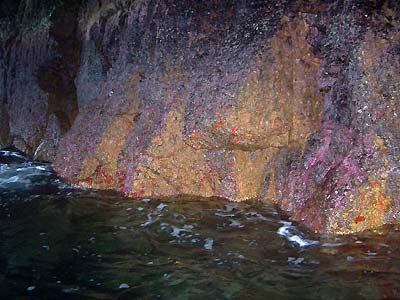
[[59, 242]]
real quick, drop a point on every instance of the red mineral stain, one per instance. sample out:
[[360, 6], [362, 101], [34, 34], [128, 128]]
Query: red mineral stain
[[359, 219], [195, 135], [234, 129], [88, 180], [218, 124], [236, 141], [137, 194]]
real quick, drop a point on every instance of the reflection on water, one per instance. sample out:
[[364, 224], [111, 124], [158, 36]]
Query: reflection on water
[[62, 243]]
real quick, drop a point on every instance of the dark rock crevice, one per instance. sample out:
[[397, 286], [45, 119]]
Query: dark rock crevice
[[40, 57], [57, 75]]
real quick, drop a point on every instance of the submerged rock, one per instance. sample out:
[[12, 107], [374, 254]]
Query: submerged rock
[[279, 100]]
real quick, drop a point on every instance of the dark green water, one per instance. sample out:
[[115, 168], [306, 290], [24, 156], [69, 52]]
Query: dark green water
[[62, 243]]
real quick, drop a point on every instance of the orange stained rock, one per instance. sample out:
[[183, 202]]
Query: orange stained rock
[[367, 209], [268, 114], [218, 124], [173, 167], [102, 166], [236, 141], [176, 167], [370, 199], [234, 129], [106, 157], [280, 101], [250, 171], [195, 135]]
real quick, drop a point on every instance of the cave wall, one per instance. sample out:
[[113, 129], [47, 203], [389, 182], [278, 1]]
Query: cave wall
[[295, 102], [39, 57]]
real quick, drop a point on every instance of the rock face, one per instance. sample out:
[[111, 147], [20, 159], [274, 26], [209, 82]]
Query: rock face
[[279, 100], [39, 56]]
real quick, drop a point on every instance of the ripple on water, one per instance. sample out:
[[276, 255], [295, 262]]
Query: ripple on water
[[86, 244], [19, 174]]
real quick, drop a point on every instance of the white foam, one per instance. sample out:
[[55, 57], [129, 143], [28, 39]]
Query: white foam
[[255, 215], [230, 207], [208, 244], [236, 224], [157, 212], [124, 286], [15, 178], [295, 261], [291, 233], [41, 168], [11, 153], [149, 221], [331, 244], [224, 215], [28, 168], [177, 231], [160, 207]]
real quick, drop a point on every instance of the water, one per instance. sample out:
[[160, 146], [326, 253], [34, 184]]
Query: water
[[58, 242]]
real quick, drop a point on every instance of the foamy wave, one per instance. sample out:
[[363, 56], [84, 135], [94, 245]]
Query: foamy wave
[[294, 235]]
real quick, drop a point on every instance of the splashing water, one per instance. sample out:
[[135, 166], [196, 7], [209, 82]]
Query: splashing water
[[294, 235]]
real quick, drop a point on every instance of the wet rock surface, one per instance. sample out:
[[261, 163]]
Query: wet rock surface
[[291, 102]]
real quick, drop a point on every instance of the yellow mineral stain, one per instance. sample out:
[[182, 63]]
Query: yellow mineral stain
[[279, 103], [100, 170], [367, 208], [173, 166], [250, 172], [369, 205]]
